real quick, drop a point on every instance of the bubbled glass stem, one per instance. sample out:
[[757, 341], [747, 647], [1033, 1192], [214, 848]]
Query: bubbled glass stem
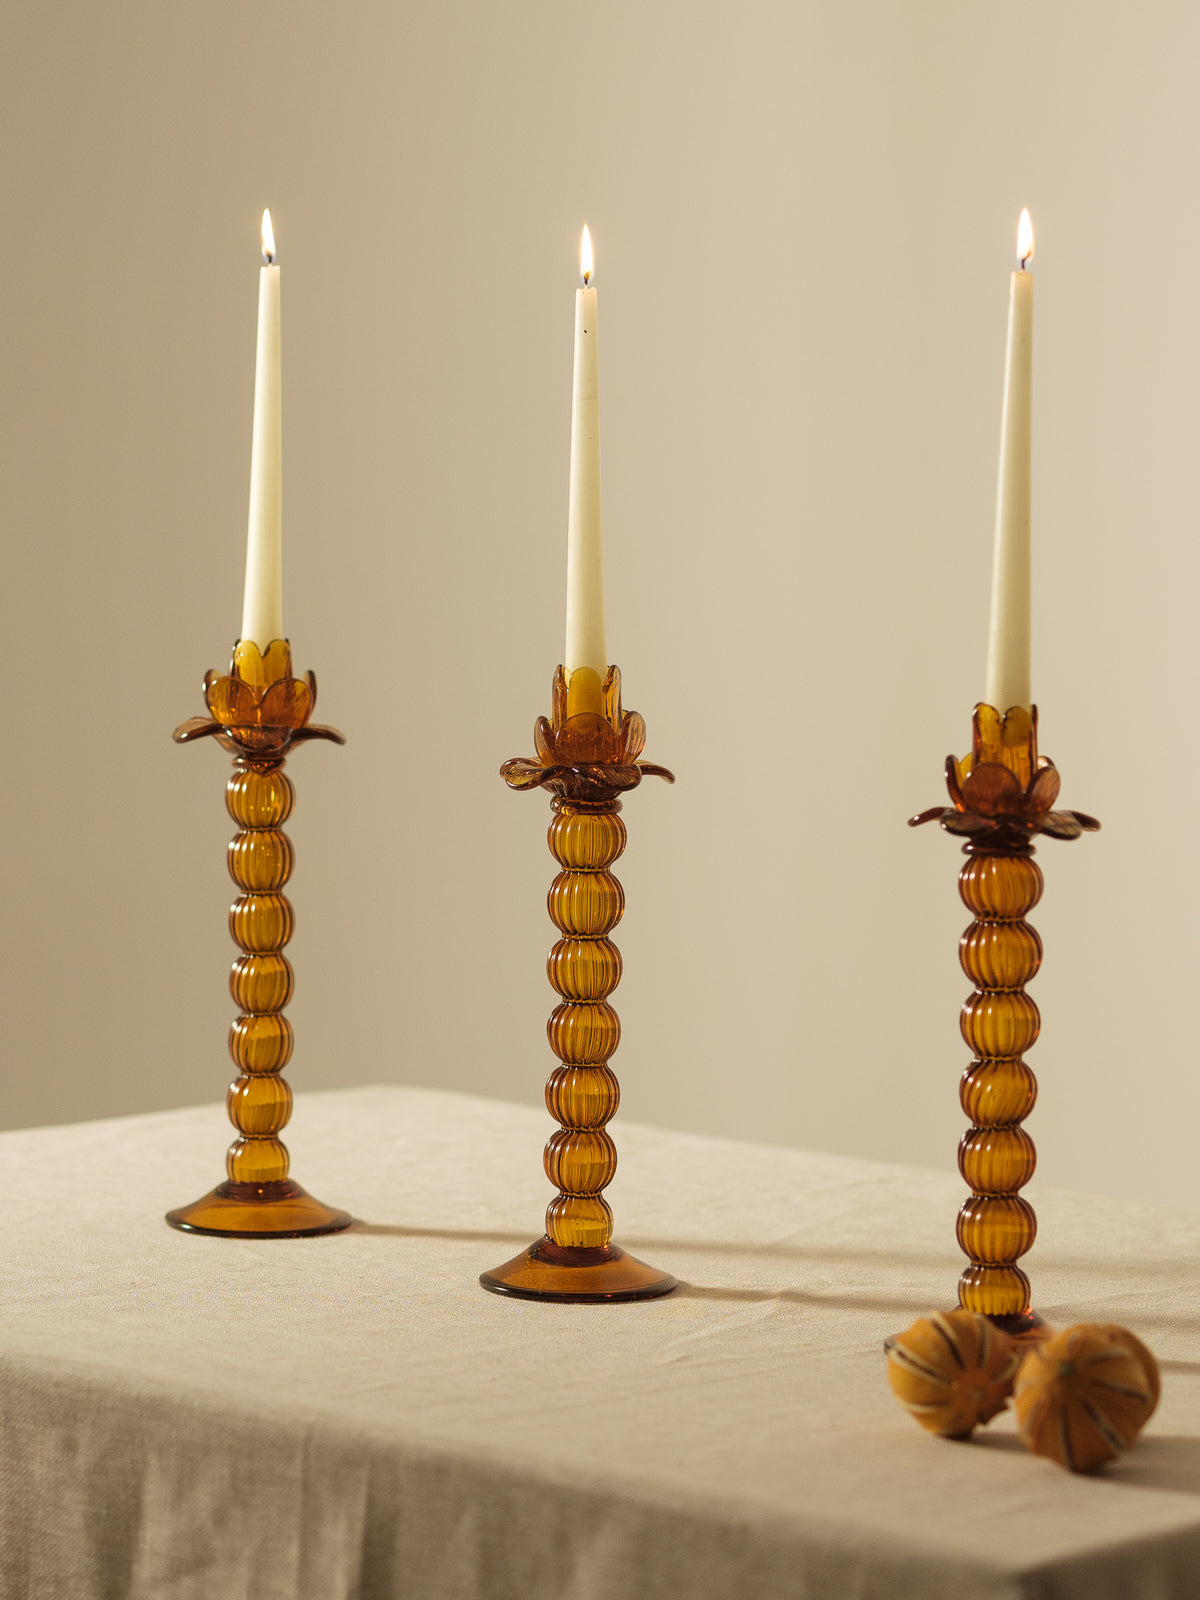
[[585, 904], [1000, 953], [260, 797]]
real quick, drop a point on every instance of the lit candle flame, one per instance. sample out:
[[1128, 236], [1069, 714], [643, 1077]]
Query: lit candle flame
[[268, 239], [587, 264], [1024, 241]]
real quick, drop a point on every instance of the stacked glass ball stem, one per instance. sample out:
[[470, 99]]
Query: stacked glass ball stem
[[1003, 794], [258, 713], [587, 759]]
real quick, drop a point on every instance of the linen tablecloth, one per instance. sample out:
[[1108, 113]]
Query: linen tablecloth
[[184, 1417]]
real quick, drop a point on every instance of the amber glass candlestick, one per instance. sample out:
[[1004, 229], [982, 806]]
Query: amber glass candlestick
[[587, 757], [1002, 795], [259, 712]]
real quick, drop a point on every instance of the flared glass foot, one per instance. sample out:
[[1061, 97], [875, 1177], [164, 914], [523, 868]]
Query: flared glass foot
[[281, 1210], [1026, 1328], [548, 1271]]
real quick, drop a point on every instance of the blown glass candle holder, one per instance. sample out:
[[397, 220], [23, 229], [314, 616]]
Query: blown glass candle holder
[[259, 712], [587, 757], [1002, 795]]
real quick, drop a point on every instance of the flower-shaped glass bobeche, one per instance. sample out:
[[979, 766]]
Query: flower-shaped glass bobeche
[[258, 709], [585, 755], [1004, 792]]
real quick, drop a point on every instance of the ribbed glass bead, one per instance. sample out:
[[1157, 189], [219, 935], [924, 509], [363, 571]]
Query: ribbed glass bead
[[583, 1033], [256, 1161], [261, 922], [994, 1291], [261, 859], [584, 969], [1000, 886], [580, 1161], [585, 902], [997, 1229], [261, 1044], [259, 799], [1005, 1024], [580, 1222], [259, 1105], [996, 1160], [996, 1092], [261, 982], [1000, 955], [588, 840], [583, 1097]]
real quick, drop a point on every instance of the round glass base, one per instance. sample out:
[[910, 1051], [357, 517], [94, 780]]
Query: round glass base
[[281, 1210], [548, 1271], [1026, 1328]]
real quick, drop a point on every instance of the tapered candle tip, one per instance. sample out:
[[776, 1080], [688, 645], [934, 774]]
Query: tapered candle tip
[[1024, 240], [587, 263], [268, 239]]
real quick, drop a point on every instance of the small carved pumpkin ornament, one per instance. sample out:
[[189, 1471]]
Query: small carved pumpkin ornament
[[952, 1370], [1083, 1396]]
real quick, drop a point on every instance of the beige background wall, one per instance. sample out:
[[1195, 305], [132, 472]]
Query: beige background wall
[[804, 219]]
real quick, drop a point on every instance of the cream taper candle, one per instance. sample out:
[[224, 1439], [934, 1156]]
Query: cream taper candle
[[262, 609], [586, 645], [1009, 635]]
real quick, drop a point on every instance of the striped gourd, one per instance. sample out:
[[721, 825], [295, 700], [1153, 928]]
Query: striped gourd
[[1083, 1396], [952, 1370]]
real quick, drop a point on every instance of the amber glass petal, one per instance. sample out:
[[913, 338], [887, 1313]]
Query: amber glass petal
[[988, 728], [1043, 791], [633, 736], [612, 777], [991, 788], [543, 741], [649, 769], [1017, 738], [966, 823], [558, 698], [953, 782], [261, 669], [286, 704], [318, 730], [934, 813], [612, 696], [521, 773], [586, 738], [195, 728], [232, 702], [1059, 825], [1088, 823]]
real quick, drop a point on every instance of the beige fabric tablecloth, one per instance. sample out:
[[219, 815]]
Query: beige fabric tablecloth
[[187, 1418]]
